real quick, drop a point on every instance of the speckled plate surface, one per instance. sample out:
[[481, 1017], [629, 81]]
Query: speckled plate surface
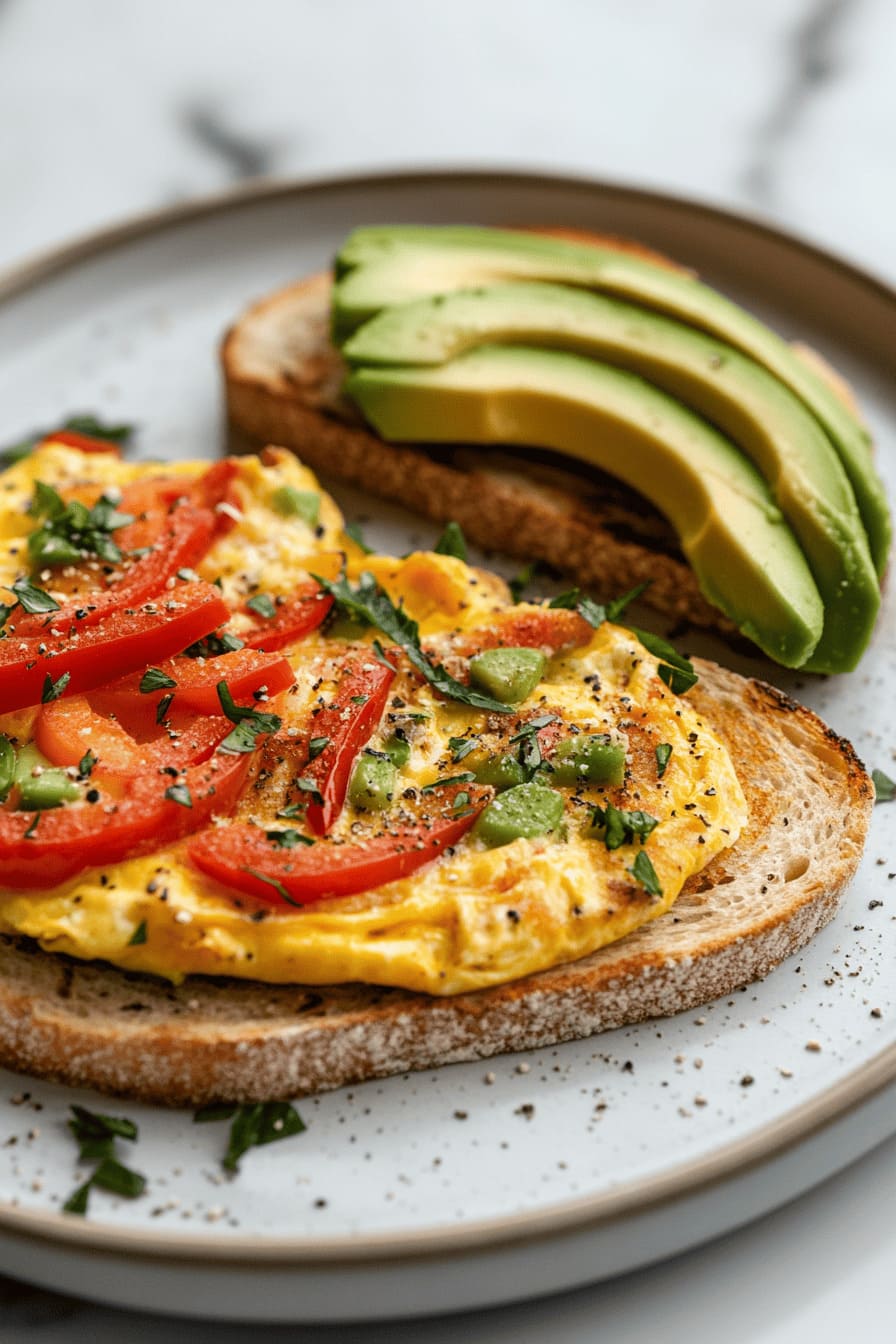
[[473, 1184]]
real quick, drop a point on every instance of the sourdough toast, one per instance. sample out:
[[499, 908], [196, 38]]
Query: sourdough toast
[[809, 800]]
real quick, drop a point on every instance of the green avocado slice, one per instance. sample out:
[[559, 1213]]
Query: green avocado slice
[[385, 265], [745, 556], [733, 392]]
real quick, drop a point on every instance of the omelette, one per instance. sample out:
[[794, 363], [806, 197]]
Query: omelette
[[427, 784]]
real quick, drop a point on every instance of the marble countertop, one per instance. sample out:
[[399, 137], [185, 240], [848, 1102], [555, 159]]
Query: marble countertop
[[783, 108]]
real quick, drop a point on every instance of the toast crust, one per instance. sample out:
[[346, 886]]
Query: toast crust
[[810, 800]]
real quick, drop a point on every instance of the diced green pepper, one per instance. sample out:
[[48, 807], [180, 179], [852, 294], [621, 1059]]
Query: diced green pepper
[[373, 783], [293, 503], [398, 750], [50, 788], [502, 772], [507, 674], [521, 813], [590, 758], [7, 766]]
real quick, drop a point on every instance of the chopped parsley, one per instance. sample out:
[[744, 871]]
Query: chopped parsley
[[595, 613], [272, 882], [154, 679], [212, 646], [461, 747], [316, 745], [662, 754], [370, 605], [262, 605], [179, 793], [163, 707], [138, 937], [452, 542], [53, 689], [252, 1125], [884, 787], [674, 669], [621, 827], [466, 778], [70, 532], [250, 724], [34, 600], [288, 838], [644, 872], [86, 764], [96, 1136], [306, 785]]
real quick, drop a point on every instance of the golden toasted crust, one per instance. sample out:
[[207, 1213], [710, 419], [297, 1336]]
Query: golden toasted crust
[[810, 802]]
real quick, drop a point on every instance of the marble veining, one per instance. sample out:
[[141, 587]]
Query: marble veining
[[813, 60]]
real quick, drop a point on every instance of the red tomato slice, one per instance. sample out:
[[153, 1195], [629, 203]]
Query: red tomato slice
[[346, 722], [176, 540], [65, 840], [245, 671], [121, 643], [85, 442], [123, 734], [547, 628], [242, 856], [294, 617]]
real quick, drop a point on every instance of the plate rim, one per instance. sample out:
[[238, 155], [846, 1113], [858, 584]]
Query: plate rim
[[645, 1194]]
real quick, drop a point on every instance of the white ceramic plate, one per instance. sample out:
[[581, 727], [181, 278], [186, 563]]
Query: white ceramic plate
[[448, 1190]]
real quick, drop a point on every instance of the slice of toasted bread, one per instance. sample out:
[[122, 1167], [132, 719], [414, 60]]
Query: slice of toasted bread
[[282, 379], [809, 805]]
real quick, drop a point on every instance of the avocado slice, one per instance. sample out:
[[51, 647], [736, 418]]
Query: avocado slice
[[733, 392], [380, 266], [745, 556]]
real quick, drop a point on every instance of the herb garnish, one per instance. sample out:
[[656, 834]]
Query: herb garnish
[[138, 937], [33, 600], [369, 604], [213, 645], [154, 679], [163, 707], [674, 669], [461, 747], [621, 827], [595, 613], [80, 424], [70, 531], [250, 724], [86, 764], [466, 778], [316, 745], [644, 872], [272, 882], [96, 1136], [53, 689], [262, 605], [252, 1125], [452, 542], [884, 787], [288, 838], [179, 793], [662, 754]]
